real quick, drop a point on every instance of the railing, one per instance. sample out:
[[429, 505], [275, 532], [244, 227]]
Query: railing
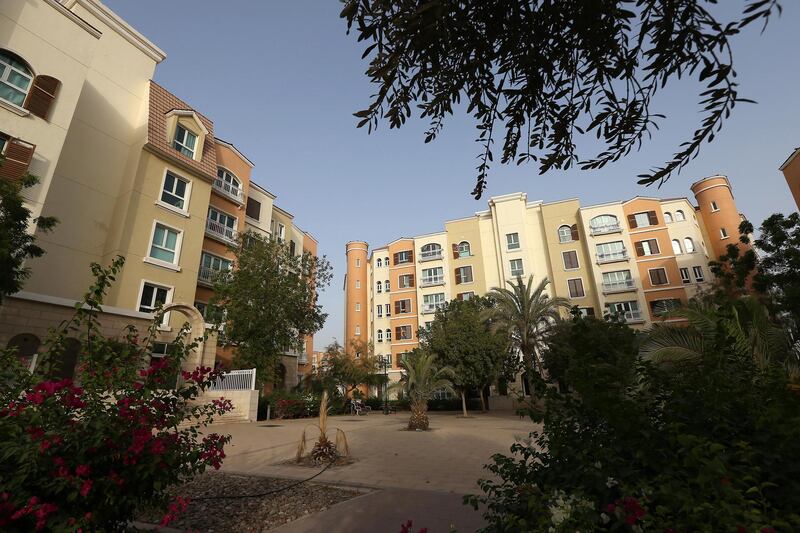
[[605, 229], [431, 308], [619, 286], [430, 282], [236, 380], [632, 316], [302, 358], [430, 255], [229, 190], [210, 275], [621, 255], [220, 230]]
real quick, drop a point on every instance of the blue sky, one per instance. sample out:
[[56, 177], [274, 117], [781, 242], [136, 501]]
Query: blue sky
[[281, 80]]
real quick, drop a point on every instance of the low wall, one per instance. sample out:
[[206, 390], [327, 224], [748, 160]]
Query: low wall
[[245, 404]]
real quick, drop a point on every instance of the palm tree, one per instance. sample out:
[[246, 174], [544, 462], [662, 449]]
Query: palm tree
[[526, 313], [743, 324], [421, 379]]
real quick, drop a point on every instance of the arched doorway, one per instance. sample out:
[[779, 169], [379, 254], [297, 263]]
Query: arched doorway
[[26, 346]]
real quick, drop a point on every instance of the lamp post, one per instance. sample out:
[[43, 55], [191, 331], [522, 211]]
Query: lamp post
[[385, 362]]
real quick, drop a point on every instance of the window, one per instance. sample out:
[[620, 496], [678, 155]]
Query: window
[[3, 141], [405, 281], [714, 207], [388, 310], [386, 285], [688, 243], [667, 217], [676, 247], [512, 240], [403, 333], [648, 247], [432, 302], [661, 307], [165, 244], [378, 287], [174, 191], [15, 79], [293, 249], [211, 265], [723, 233], [698, 274], [380, 335], [463, 249], [432, 276], [403, 257], [685, 275], [465, 295], [379, 263], [658, 276], [570, 259], [379, 310], [152, 297], [253, 209], [604, 224], [575, 287], [611, 251], [679, 215], [463, 275], [358, 284], [358, 262], [221, 224], [619, 280], [643, 220], [430, 251], [627, 310], [184, 141], [386, 261], [281, 232], [388, 334], [358, 307], [402, 307], [564, 234], [358, 330], [516, 268]]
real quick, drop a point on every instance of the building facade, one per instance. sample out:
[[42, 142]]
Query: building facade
[[635, 259], [791, 171]]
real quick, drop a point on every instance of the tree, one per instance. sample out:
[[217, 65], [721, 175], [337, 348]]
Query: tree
[[423, 376], [270, 301], [549, 71], [526, 313], [17, 244], [339, 369], [461, 338]]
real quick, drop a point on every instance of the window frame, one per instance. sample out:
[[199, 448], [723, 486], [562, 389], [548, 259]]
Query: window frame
[[580, 284], [358, 284], [564, 260], [378, 287], [358, 307], [701, 278], [723, 233], [387, 310], [404, 257], [408, 279], [679, 249], [379, 312], [464, 251], [388, 334], [9, 68], [471, 274], [667, 217], [519, 272], [679, 215], [168, 299], [180, 146], [512, 243], [650, 276], [174, 265], [714, 206], [247, 208], [379, 336], [357, 331], [187, 193], [649, 248], [685, 279], [561, 236], [688, 242]]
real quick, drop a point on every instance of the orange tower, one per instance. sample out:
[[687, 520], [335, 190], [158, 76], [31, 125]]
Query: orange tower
[[718, 212], [356, 294]]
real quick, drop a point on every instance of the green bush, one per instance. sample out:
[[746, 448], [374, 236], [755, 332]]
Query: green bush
[[453, 404]]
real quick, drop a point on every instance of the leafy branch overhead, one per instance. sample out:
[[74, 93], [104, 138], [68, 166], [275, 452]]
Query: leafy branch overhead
[[550, 72]]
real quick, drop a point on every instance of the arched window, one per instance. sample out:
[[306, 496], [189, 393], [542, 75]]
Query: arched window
[[25, 347], [15, 78], [230, 183], [602, 223], [379, 263], [378, 287], [667, 217], [565, 234], [388, 335], [688, 243], [464, 249], [430, 251], [380, 335], [679, 215], [676, 247], [386, 261], [386, 285]]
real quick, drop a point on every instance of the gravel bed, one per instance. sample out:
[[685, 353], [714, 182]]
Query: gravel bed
[[248, 514]]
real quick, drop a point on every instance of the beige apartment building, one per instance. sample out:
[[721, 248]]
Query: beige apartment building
[[128, 169], [634, 259]]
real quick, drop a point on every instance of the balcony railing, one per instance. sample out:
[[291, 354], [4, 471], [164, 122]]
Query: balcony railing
[[209, 275], [430, 255], [430, 282], [302, 358], [215, 229], [431, 308], [631, 316], [619, 286], [605, 229], [620, 255], [235, 193]]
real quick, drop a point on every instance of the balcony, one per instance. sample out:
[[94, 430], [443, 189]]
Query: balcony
[[234, 193], [619, 286], [632, 317], [612, 257], [605, 230], [428, 309], [220, 231], [430, 255], [302, 358], [207, 275], [431, 282]]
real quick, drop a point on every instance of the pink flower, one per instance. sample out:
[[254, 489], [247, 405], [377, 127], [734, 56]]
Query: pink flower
[[86, 487], [36, 398], [83, 470]]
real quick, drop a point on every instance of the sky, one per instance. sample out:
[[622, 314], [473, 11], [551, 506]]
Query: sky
[[282, 79]]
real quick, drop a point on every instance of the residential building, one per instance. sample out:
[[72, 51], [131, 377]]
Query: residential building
[[791, 170], [635, 259]]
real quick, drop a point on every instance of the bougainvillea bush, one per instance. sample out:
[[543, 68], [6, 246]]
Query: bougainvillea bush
[[88, 456]]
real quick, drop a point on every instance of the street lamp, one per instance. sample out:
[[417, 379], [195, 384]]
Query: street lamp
[[385, 361]]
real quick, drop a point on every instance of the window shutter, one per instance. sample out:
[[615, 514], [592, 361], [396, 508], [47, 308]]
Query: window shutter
[[574, 230], [41, 96], [654, 246], [17, 159], [653, 218], [397, 335], [411, 256], [411, 280], [632, 221], [590, 311], [639, 248], [460, 296], [395, 258], [458, 276], [455, 251], [397, 307]]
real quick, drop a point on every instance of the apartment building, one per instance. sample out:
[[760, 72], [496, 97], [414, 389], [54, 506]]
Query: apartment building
[[635, 259], [127, 168], [791, 171]]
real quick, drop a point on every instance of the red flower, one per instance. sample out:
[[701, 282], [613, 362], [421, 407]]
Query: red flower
[[83, 470], [610, 508], [630, 519], [36, 433], [36, 398], [86, 487]]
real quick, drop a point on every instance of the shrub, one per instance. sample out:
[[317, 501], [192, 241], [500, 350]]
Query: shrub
[[88, 457], [286, 405]]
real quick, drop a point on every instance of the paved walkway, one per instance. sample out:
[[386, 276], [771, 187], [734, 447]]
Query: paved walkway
[[418, 475]]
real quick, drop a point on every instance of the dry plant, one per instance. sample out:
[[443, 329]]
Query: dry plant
[[324, 449]]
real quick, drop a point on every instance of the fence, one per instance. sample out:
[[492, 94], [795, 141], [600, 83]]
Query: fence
[[236, 380]]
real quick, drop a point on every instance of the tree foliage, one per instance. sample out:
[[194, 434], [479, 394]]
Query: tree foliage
[[16, 243], [423, 375], [270, 301], [341, 370], [549, 72]]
